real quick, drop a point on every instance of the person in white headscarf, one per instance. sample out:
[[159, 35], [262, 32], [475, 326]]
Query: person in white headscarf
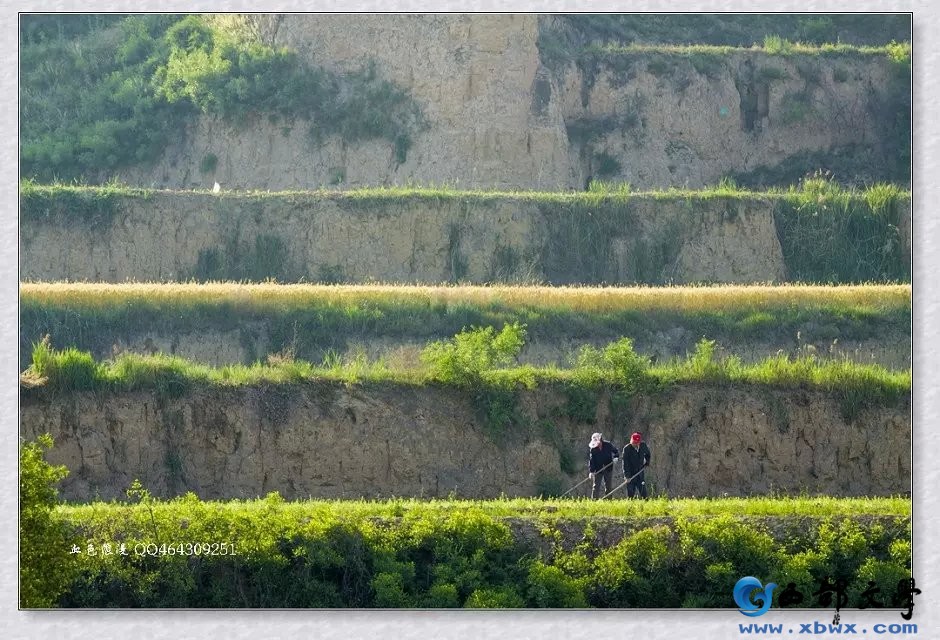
[[601, 457]]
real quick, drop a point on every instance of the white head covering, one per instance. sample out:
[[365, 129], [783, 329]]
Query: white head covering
[[595, 440]]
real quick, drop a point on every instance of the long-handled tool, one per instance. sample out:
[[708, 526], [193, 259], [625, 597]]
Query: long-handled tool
[[588, 478], [626, 482]]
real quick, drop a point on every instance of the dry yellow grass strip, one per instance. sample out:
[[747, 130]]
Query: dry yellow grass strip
[[586, 299]]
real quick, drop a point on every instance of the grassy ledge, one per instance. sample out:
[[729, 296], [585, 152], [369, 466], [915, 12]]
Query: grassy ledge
[[474, 359], [313, 318], [827, 233]]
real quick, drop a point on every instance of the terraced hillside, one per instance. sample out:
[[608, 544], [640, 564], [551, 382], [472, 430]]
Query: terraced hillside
[[699, 231], [221, 324], [505, 102], [817, 233]]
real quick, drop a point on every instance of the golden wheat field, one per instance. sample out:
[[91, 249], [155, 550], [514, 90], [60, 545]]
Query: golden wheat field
[[585, 299]]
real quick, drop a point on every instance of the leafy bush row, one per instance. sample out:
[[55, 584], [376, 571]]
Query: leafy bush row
[[463, 559], [460, 558], [474, 358]]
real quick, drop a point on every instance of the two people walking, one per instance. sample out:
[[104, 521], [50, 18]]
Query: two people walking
[[602, 455]]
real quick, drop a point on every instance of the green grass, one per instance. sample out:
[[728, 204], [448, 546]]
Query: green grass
[[104, 514], [71, 370], [739, 29], [448, 553], [772, 45], [600, 193]]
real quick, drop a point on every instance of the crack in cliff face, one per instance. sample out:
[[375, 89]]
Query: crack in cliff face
[[754, 95], [260, 423]]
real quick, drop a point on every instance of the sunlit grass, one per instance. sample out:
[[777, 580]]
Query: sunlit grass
[[772, 45], [600, 192], [73, 370], [764, 506], [272, 296]]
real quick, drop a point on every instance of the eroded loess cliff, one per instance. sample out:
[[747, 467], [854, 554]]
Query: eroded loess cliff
[[336, 441], [499, 113]]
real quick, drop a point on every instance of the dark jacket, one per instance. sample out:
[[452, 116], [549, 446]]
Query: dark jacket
[[601, 456], [634, 460]]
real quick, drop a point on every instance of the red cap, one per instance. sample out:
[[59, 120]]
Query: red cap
[[636, 437]]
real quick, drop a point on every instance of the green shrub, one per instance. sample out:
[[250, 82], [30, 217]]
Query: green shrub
[[499, 598], [845, 547], [899, 52], [627, 365], [389, 591], [802, 568], [718, 551], [68, 369], [442, 596], [471, 353], [775, 45], [702, 365], [637, 572], [47, 566], [548, 586], [208, 163], [89, 107], [618, 363], [606, 165], [468, 361]]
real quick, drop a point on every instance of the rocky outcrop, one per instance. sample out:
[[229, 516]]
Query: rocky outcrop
[[657, 120], [333, 440]]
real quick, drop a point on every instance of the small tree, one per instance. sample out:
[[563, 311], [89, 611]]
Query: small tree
[[46, 562]]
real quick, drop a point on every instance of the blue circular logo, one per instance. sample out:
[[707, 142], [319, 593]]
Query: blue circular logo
[[744, 590]]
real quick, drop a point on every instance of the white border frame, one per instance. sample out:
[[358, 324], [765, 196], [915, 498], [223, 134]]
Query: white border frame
[[512, 625]]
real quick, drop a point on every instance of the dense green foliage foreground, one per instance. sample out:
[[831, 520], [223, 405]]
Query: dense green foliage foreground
[[504, 553], [310, 319]]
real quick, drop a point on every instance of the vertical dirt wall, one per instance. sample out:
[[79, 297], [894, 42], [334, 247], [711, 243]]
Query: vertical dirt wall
[[332, 440]]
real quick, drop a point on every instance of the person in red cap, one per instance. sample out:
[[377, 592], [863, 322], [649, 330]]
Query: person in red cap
[[636, 457], [601, 456]]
